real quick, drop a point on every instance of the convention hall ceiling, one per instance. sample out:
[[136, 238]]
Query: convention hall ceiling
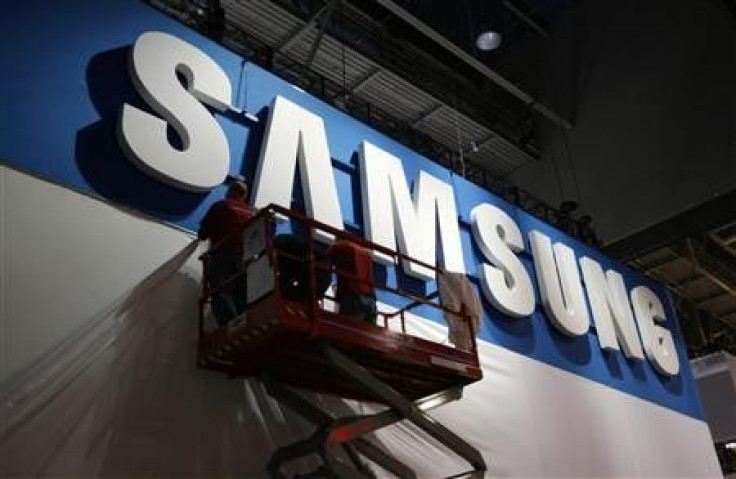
[[372, 60], [361, 57], [694, 254]]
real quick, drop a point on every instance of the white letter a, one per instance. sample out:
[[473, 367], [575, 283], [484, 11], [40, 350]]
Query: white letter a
[[294, 133]]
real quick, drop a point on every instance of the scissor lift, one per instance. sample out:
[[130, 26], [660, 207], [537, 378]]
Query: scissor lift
[[303, 343]]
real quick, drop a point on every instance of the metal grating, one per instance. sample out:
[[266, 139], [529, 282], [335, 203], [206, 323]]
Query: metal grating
[[726, 237], [364, 78], [292, 40], [703, 278], [396, 97], [266, 24]]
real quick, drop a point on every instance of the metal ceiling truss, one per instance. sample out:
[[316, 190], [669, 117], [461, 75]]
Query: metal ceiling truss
[[305, 53], [694, 254], [363, 82], [293, 38], [475, 63], [702, 276], [411, 73], [525, 18]]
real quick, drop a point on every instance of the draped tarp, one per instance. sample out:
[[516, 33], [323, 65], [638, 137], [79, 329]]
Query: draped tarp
[[123, 397]]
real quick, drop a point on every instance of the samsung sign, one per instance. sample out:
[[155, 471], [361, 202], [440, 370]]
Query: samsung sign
[[394, 217]]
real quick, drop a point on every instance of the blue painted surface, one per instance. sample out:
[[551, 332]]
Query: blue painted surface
[[64, 80]]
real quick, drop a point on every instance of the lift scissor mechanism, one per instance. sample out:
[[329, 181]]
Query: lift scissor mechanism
[[290, 337]]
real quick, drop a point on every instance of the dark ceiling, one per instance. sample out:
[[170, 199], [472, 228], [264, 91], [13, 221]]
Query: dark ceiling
[[363, 58], [454, 107], [524, 26]]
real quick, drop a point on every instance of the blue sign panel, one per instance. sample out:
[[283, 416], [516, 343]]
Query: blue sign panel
[[62, 94]]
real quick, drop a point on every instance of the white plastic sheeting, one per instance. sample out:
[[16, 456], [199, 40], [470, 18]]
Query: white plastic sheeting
[[122, 396]]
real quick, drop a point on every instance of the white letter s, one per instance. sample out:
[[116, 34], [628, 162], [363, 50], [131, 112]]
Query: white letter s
[[204, 161], [506, 284]]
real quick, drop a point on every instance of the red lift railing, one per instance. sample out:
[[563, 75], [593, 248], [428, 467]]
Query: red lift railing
[[314, 263], [298, 341]]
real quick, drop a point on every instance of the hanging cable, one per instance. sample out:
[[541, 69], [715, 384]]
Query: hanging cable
[[558, 177], [461, 155], [343, 60], [344, 75], [568, 158], [242, 103]]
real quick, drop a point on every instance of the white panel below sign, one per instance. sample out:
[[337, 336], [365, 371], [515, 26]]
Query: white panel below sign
[[533, 420], [715, 375], [527, 418], [64, 257]]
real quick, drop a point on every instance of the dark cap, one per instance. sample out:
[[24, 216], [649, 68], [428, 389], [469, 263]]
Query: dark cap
[[237, 189]]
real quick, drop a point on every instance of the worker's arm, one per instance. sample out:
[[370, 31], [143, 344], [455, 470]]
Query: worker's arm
[[205, 226]]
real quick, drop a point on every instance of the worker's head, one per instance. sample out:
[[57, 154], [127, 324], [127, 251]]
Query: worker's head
[[237, 190]]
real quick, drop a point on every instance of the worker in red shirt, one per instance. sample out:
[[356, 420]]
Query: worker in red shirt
[[223, 226], [354, 268]]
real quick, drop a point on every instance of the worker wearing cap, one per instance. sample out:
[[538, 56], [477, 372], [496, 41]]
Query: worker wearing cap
[[223, 226], [355, 294]]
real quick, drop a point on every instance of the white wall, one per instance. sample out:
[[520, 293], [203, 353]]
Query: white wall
[[534, 420], [716, 378], [63, 258], [133, 409]]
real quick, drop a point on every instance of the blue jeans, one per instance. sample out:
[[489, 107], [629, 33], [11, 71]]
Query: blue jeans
[[228, 297]]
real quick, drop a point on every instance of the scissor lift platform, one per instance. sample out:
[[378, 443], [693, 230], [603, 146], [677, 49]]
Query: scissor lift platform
[[306, 345], [279, 337]]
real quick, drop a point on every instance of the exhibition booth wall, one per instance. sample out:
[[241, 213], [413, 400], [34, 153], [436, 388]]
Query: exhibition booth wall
[[585, 369]]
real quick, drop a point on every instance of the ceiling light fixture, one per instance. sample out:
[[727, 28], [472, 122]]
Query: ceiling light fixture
[[488, 40]]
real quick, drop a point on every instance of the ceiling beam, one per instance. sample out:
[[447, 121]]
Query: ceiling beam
[[359, 84], [466, 57], [703, 218], [483, 142], [364, 81], [700, 301], [322, 25], [714, 268], [525, 18], [688, 281], [427, 114], [298, 33]]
